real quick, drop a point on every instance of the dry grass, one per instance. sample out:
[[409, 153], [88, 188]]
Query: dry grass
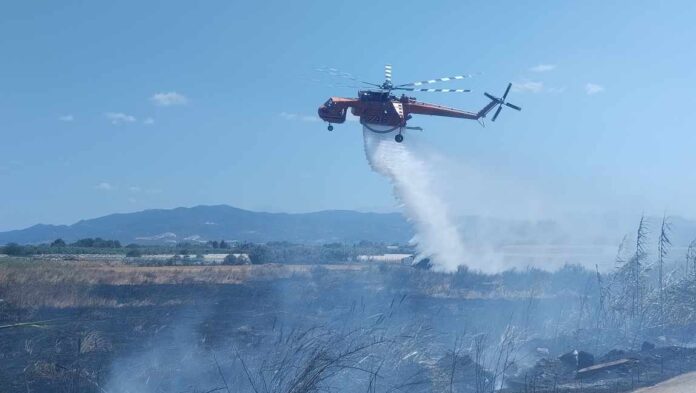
[[93, 341], [95, 273], [27, 282]]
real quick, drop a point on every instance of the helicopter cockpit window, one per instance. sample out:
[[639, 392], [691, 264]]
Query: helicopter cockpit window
[[329, 103]]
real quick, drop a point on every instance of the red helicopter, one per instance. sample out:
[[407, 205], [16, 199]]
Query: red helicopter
[[382, 112]]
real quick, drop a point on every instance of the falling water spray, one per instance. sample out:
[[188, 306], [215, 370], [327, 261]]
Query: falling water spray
[[436, 237]]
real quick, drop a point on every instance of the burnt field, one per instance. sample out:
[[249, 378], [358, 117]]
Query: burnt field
[[103, 327]]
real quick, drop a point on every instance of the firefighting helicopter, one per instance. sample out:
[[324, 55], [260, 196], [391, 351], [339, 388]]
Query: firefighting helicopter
[[382, 112]]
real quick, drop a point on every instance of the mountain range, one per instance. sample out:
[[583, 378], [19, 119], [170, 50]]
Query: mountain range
[[219, 222], [222, 222]]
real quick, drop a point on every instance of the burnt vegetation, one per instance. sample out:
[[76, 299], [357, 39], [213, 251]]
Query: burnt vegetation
[[328, 323]]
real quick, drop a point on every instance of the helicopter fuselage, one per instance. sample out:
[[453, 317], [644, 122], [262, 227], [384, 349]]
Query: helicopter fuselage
[[384, 109]]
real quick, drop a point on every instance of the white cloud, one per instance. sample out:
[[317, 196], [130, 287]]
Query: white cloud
[[148, 121], [543, 68], [104, 186], [134, 189], [528, 86], [593, 88], [535, 87], [119, 118], [295, 116], [169, 99], [66, 118], [288, 116]]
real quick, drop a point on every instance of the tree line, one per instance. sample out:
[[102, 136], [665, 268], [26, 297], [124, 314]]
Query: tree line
[[188, 252]]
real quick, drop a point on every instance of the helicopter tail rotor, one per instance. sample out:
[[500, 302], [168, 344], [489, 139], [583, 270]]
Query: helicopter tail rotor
[[501, 102]]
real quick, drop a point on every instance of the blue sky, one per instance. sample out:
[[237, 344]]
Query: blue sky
[[120, 106]]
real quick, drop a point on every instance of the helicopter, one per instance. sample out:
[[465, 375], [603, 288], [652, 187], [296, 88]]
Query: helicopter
[[381, 111]]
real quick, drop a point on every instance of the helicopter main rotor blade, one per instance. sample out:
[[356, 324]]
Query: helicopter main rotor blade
[[346, 75], [507, 91], [434, 90], [339, 86], [492, 98], [438, 80], [495, 116], [388, 72], [515, 107]]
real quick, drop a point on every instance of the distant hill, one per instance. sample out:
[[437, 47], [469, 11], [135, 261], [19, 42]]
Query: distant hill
[[202, 223], [222, 222]]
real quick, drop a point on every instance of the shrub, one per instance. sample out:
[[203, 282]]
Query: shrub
[[58, 243], [134, 253], [15, 249], [97, 243], [232, 259]]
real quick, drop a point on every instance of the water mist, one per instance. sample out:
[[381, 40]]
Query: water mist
[[436, 237]]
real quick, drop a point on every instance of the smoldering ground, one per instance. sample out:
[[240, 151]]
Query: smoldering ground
[[378, 327], [375, 328]]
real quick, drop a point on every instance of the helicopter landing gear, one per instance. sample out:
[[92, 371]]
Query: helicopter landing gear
[[330, 127], [399, 138]]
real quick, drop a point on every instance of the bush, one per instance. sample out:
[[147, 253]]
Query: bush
[[15, 249], [58, 243], [134, 253], [259, 254], [97, 243], [231, 259]]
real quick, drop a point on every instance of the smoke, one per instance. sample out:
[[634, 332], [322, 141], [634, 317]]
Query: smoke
[[436, 237], [174, 358], [510, 222]]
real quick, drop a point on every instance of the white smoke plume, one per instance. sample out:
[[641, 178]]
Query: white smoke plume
[[436, 235]]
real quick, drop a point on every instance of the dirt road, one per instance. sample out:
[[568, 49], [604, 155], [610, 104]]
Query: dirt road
[[685, 383]]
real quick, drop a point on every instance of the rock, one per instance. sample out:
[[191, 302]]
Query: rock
[[585, 359], [577, 359], [647, 346], [568, 359]]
